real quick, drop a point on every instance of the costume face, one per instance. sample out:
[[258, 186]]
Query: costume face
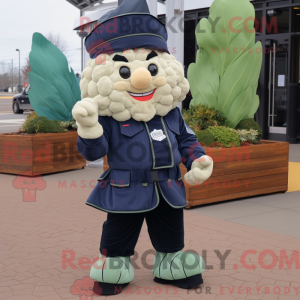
[[136, 84]]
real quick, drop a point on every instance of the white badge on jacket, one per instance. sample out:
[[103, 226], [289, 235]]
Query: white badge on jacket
[[157, 135]]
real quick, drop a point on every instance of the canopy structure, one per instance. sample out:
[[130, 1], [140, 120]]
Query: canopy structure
[[84, 4]]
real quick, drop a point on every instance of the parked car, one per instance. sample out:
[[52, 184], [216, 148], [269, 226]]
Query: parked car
[[21, 102]]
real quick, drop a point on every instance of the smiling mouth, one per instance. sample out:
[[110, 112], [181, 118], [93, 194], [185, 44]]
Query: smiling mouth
[[142, 97]]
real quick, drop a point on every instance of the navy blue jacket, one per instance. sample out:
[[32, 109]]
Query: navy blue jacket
[[144, 160]]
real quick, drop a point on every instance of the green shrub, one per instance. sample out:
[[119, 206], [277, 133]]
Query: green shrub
[[250, 124], [68, 125], [225, 136], [29, 117], [248, 135], [205, 137], [42, 125], [200, 117]]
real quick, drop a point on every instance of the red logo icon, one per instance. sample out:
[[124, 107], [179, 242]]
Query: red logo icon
[[84, 288], [29, 185]]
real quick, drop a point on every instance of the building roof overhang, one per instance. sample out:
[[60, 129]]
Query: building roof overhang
[[84, 4]]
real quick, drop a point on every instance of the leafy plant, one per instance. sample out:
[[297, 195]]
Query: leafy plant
[[54, 87], [200, 117], [228, 61], [205, 137], [42, 125], [225, 136], [68, 125], [249, 124], [246, 135], [29, 117]]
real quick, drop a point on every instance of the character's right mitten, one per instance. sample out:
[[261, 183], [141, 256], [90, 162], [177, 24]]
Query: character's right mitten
[[85, 112]]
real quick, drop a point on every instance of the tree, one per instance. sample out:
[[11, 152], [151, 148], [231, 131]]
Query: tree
[[8, 75], [57, 40], [25, 70]]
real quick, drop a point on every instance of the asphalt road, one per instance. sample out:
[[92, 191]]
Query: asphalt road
[[9, 122]]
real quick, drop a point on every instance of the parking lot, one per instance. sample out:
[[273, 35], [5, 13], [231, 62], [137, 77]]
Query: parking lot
[[9, 122]]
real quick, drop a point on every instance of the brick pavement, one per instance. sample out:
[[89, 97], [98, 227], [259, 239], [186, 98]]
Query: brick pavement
[[34, 235]]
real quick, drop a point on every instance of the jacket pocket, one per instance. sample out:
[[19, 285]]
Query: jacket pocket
[[172, 124], [104, 175], [120, 178], [131, 127]]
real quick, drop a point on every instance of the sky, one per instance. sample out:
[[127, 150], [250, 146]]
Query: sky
[[19, 19]]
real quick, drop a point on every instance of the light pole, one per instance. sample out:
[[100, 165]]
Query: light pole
[[83, 34], [19, 69]]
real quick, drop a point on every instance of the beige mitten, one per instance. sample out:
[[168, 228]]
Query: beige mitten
[[85, 112], [201, 170]]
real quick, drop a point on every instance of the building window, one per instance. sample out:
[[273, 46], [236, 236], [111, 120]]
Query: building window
[[259, 5], [190, 45], [295, 66], [277, 3], [277, 20], [258, 22], [296, 19]]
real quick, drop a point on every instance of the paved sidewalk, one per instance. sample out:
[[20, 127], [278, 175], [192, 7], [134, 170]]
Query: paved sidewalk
[[295, 153], [35, 236]]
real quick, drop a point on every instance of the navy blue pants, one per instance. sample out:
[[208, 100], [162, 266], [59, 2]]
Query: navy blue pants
[[165, 227]]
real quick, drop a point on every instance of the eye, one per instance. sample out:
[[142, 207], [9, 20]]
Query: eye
[[153, 69], [24, 181], [125, 72], [33, 181]]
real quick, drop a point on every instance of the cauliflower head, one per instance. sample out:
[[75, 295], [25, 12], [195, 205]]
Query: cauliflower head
[[136, 84]]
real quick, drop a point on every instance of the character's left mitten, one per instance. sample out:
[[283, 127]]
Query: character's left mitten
[[181, 269], [201, 170]]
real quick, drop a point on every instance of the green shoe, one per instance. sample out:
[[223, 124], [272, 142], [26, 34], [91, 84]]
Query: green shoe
[[181, 269], [112, 274]]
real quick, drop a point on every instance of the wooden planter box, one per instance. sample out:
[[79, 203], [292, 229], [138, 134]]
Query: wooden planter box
[[241, 172], [40, 153]]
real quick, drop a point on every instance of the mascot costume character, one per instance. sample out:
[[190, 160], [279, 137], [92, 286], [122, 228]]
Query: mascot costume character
[[130, 89]]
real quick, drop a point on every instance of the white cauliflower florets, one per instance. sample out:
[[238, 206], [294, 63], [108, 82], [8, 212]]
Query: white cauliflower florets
[[110, 91]]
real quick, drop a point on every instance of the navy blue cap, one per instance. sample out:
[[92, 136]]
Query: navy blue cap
[[129, 26]]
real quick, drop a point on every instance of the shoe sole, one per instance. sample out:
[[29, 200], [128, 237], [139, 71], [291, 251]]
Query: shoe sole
[[186, 283], [104, 289]]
